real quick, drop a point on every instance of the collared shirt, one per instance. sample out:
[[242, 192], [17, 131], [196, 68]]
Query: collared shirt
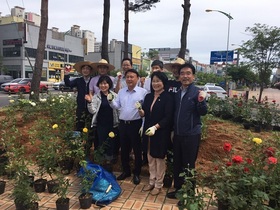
[[123, 82], [93, 83], [183, 91], [126, 100], [147, 84]]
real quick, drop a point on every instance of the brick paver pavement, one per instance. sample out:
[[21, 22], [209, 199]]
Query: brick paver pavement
[[132, 197]]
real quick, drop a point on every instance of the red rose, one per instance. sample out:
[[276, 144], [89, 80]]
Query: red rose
[[237, 159], [249, 161], [270, 151], [273, 101], [272, 160], [227, 147], [246, 170], [229, 164]]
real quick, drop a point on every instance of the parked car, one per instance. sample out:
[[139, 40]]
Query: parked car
[[24, 87], [14, 81], [5, 78], [277, 85], [215, 90], [61, 85]]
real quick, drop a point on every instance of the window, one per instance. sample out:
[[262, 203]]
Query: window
[[75, 59], [11, 52], [55, 56]]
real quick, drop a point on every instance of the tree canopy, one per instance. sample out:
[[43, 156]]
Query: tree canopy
[[262, 51]]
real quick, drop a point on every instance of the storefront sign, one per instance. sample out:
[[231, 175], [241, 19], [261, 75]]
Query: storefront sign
[[62, 49]]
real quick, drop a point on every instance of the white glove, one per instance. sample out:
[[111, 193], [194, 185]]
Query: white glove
[[141, 131], [151, 131], [110, 97], [138, 105], [201, 96], [119, 75]]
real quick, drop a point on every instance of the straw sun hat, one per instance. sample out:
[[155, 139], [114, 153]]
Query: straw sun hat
[[102, 62], [177, 62], [78, 66]]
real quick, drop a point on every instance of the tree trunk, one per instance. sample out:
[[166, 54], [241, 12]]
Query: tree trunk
[[261, 91], [105, 31], [36, 78], [186, 6], [126, 21]]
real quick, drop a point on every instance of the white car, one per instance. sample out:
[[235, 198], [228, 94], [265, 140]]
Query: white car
[[215, 90]]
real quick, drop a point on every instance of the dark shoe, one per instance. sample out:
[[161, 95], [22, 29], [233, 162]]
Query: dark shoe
[[172, 195], [136, 179], [123, 176]]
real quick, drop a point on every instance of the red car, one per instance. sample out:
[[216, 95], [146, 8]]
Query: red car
[[23, 87]]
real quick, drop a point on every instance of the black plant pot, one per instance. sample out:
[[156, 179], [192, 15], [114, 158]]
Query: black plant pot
[[257, 128], [167, 181], [52, 186], [62, 204], [2, 187], [40, 185], [21, 206], [85, 200], [246, 126], [222, 205]]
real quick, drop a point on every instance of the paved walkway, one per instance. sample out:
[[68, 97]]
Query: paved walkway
[[270, 93], [132, 197]]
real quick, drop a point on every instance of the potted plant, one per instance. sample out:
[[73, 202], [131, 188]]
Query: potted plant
[[71, 150], [62, 203], [191, 197], [24, 196], [88, 177]]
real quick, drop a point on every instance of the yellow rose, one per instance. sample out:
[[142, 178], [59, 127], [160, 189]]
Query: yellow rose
[[111, 134], [257, 140], [85, 130], [12, 101], [55, 126]]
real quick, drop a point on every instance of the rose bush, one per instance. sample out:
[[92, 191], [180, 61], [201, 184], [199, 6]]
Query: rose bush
[[250, 181]]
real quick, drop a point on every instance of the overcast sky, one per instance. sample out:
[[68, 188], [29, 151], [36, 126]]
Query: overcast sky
[[161, 26]]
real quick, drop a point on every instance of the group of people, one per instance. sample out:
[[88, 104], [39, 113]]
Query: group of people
[[150, 116]]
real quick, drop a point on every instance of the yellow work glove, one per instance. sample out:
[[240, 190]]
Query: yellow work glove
[[110, 97], [151, 131]]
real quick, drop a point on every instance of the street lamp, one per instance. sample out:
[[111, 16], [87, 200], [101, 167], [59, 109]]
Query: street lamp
[[229, 19]]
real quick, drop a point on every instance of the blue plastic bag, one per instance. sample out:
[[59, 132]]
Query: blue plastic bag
[[105, 188]]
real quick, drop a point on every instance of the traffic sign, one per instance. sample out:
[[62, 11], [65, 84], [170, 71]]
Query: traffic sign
[[221, 56]]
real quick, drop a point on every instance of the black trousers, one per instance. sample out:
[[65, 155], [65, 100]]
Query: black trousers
[[130, 138], [185, 150]]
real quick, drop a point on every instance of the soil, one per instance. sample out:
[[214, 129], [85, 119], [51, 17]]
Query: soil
[[211, 148]]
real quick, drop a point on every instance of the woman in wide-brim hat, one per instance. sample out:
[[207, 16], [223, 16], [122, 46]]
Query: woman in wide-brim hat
[[79, 65], [102, 62]]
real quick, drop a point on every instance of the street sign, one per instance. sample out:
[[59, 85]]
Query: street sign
[[221, 56]]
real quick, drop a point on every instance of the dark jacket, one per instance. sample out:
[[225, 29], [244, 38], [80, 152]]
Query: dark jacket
[[162, 113], [82, 90], [188, 111]]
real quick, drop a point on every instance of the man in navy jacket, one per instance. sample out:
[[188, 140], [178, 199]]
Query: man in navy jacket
[[82, 85], [189, 106]]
